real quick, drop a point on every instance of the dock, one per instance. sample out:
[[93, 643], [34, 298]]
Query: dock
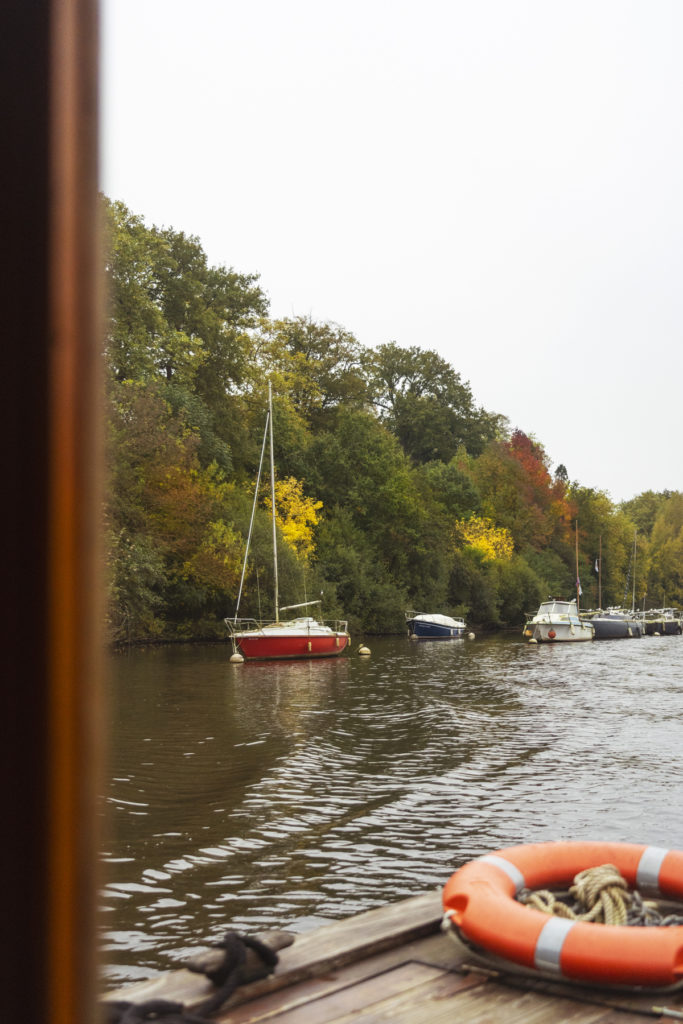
[[395, 965]]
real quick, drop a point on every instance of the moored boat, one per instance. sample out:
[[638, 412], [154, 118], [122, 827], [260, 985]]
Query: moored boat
[[557, 622], [662, 622], [300, 637], [433, 626], [614, 624]]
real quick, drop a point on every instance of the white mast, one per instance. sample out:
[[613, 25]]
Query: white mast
[[272, 499]]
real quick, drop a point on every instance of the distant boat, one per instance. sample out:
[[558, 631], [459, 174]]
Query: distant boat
[[426, 626], [614, 624], [300, 637], [557, 622], [662, 621]]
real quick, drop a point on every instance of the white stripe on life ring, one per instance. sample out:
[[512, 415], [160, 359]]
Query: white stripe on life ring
[[649, 866], [513, 873], [549, 944]]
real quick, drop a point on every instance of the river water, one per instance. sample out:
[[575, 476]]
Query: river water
[[290, 794]]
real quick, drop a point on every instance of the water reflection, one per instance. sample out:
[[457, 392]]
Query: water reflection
[[285, 794]]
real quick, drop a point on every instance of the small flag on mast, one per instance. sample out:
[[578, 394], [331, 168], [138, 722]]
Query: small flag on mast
[[597, 566], [578, 586]]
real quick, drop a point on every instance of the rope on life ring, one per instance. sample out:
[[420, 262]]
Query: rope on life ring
[[492, 903], [601, 895]]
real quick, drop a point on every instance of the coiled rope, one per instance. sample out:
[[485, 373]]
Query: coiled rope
[[600, 895]]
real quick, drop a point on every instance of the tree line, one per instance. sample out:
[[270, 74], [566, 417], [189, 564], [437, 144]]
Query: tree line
[[394, 491]]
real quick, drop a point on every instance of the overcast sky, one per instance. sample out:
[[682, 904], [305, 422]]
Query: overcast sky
[[499, 180]]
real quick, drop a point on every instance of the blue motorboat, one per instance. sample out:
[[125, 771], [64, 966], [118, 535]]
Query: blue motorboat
[[426, 626]]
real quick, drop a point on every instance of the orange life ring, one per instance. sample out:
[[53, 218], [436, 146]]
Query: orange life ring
[[480, 900]]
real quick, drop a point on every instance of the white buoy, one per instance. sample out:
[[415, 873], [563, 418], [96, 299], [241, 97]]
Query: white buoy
[[470, 636], [411, 636], [236, 659], [532, 641], [363, 650]]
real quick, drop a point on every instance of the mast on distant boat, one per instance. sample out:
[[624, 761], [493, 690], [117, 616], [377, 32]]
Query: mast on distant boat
[[578, 583], [632, 565], [272, 501]]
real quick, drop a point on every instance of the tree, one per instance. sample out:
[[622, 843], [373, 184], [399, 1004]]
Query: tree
[[493, 543], [171, 315], [297, 515], [517, 492], [424, 402], [317, 365], [644, 509], [449, 489], [603, 527], [665, 579], [358, 466]]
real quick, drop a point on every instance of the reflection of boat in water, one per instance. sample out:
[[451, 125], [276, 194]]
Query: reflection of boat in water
[[426, 626], [300, 637], [557, 622], [614, 624], [662, 621]]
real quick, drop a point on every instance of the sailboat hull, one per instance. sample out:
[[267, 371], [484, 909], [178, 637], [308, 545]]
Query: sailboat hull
[[303, 638], [263, 648], [287, 646]]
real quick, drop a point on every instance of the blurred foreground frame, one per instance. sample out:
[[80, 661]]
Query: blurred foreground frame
[[51, 412]]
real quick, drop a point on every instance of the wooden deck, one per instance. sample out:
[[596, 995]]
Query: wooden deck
[[393, 965]]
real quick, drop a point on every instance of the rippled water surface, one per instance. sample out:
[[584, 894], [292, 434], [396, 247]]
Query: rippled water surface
[[289, 794]]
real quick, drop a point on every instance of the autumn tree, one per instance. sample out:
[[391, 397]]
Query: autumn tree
[[518, 492]]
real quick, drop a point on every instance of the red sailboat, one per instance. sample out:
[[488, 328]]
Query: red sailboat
[[299, 637]]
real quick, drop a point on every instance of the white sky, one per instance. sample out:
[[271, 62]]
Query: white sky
[[499, 180]]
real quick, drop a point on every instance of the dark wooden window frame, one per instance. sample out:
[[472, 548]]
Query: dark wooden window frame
[[51, 411]]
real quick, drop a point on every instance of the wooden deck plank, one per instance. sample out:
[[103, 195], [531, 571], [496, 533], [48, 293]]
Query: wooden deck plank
[[413, 994], [351, 999], [431, 951], [393, 964], [312, 953], [442, 1000]]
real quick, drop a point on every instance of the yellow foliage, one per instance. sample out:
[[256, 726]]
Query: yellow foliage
[[494, 543], [296, 515]]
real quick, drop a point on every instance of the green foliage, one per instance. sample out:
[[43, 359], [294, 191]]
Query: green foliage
[[607, 529], [556, 577], [394, 489], [424, 402], [519, 591], [318, 366], [644, 508], [449, 489], [665, 576]]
